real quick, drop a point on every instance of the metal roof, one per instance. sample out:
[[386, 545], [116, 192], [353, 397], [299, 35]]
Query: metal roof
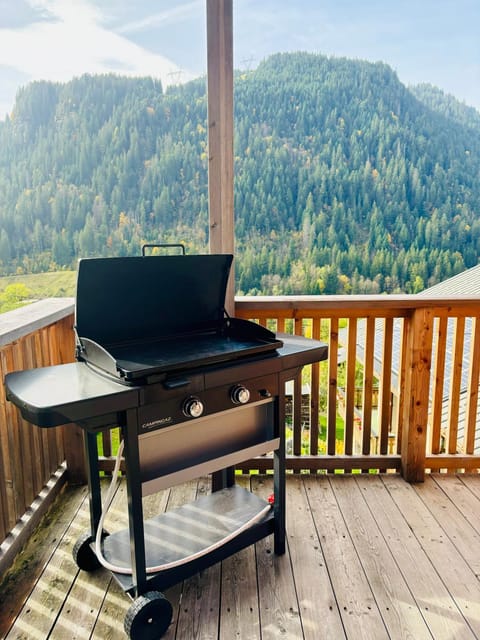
[[466, 283]]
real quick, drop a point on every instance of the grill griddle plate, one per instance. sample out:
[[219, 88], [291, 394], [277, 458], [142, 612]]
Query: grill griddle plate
[[138, 361]]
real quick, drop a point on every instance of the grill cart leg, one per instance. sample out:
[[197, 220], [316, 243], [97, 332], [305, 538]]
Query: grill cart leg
[[135, 507], [223, 478], [279, 505], [95, 499], [83, 553], [148, 617]]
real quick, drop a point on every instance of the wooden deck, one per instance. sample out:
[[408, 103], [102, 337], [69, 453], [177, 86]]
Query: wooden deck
[[368, 556]]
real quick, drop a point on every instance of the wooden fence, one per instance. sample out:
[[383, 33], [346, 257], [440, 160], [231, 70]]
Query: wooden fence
[[422, 354], [416, 361], [32, 460]]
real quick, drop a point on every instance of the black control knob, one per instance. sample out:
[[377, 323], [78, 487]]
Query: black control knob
[[193, 407], [240, 394]]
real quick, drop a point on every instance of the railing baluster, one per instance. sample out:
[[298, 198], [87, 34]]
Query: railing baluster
[[18, 445], [471, 407], [402, 375], [32, 453], [315, 393], [9, 422], [455, 382], [350, 385], [438, 378], [297, 399], [384, 417], [297, 415], [368, 386], [4, 528], [332, 387]]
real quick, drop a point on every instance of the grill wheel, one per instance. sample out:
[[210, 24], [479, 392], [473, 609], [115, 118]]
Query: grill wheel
[[148, 617], [84, 555]]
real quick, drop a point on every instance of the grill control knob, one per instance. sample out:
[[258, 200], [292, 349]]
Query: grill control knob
[[240, 394], [193, 407]]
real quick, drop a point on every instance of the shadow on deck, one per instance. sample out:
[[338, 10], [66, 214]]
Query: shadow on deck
[[368, 556]]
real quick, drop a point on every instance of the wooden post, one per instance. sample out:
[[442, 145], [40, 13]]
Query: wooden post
[[73, 436], [417, 384], [220, 133]]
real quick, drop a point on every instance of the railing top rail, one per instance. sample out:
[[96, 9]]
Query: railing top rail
[[325, 303], [20, 322]]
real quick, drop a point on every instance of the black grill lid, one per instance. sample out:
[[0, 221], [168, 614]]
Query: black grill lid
[[138, 318], [140, 299]]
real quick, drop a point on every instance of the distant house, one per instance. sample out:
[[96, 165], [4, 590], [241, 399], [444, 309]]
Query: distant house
[[466, 283]]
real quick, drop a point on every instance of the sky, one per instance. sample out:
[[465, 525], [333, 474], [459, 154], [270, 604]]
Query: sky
[[434, 41]]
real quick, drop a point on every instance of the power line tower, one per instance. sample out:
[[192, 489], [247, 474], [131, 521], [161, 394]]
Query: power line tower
[[176, 76], [246, 64]]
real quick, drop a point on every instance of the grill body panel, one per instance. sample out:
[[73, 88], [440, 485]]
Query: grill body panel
[[195, 448]]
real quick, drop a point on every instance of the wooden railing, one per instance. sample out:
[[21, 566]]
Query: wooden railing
[[32, 461], [423, 356], [418, 357]]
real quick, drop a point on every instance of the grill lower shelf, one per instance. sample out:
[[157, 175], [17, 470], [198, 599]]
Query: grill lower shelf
[[189, 530]]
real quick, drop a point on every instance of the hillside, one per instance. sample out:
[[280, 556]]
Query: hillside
[[345, 180]]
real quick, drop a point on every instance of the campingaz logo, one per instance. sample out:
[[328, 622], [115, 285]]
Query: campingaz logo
[[154, 424]]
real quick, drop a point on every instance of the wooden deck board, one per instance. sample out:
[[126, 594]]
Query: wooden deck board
[[462, 585], [29, 565], [429, 592], [359, 612], [200, 602], [458, 528], [464, 492], [394, 600], [318, 608], [279, 612], [367, 557], [239, 608], [86, 597]]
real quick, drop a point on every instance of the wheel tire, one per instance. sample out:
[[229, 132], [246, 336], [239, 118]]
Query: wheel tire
[[148, 617], [84, 555]]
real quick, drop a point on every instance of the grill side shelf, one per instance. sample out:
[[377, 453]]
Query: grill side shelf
[[60, 394]]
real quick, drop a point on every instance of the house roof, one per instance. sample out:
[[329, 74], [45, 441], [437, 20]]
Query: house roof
[[466, 283]]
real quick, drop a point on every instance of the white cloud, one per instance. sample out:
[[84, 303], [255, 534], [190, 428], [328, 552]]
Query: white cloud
[[70, 40], [173, 15]]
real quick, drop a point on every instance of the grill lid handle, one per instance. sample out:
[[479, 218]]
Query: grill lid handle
[[163, 246]]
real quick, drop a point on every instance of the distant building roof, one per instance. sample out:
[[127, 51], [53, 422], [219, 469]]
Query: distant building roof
[[466, 283]]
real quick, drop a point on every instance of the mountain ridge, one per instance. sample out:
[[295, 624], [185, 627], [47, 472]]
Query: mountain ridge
[[345, 179]]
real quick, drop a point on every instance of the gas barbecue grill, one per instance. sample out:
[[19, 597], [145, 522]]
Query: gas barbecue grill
[[194, 391]]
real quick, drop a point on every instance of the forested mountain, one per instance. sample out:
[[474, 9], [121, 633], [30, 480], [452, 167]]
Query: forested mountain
[[345, 180]]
